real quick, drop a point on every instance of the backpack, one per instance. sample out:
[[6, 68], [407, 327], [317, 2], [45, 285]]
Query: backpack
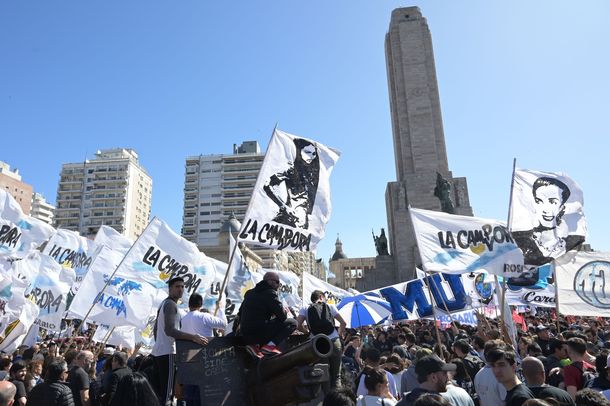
[[588, 376], [473, 365], [320, 319]]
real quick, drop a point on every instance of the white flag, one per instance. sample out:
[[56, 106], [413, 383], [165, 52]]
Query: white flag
[[583, 283], [15, 331], [72, 251], [290, 203], [114, 240], [332, 293], [289, 288], [456, 244], [127, 300], [547, 217], [50, 293], [19, 234], [121, 336], [160, 254]]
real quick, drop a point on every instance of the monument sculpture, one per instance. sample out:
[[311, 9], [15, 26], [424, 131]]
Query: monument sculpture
[[443, 192], [381, 243]]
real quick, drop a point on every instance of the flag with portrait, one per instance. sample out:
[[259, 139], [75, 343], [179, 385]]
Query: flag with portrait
[[547, 217], [290, 203]]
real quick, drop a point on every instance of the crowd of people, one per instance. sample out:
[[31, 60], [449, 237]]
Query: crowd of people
[[554, 362], [409, 364]]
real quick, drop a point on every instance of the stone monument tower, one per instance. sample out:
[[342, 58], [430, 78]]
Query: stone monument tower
[[422, 170]]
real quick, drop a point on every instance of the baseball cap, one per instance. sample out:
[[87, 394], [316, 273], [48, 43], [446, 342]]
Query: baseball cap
[[431, 364], [108, 351], [541, 327]]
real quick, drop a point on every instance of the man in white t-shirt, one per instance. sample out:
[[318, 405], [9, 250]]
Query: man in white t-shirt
[[324, 323], [198, 322], [202, 323], [490, 391]]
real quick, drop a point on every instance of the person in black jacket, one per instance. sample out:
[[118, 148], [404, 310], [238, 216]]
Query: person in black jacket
[[262, 318], [53, 391], [119, 371], [533, 372]]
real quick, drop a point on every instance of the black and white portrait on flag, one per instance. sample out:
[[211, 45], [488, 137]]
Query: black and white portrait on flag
[[294, 190], [547, 217], [290, 203]]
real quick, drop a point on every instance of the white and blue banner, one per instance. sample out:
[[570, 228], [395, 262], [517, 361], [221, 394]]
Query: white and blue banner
[[290, 203], [160, 254], [583, 283], [124, 336], [73, 251], [455, 244], [125, 301], [50, 293], [19, 234], [411, 300]]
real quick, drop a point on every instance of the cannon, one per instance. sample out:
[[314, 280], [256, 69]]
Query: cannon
[[227, 375]]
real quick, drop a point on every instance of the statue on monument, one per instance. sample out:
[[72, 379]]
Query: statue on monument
[[381, 243], [443, 192]]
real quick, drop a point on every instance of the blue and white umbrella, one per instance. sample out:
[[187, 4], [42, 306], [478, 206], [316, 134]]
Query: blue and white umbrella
[[363, 310]]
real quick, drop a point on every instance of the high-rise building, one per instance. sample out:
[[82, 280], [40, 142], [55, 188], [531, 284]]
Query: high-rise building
[[41, 209], [112, 189], [12, 183], [419, 140], [218, 186]]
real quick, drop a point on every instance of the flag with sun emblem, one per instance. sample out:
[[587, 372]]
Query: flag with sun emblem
[[457, 244], [72, 251], [159, 254]]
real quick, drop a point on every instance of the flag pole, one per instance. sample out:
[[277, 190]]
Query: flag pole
[[224, 281], [226, 278], [438, 288], [556, 295], [438, 335], [114, 272], [508, 225]]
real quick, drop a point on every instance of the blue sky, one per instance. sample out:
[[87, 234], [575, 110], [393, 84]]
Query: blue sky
[[172, 79]]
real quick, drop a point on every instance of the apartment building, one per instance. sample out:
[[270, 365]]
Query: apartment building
[[112, 189]]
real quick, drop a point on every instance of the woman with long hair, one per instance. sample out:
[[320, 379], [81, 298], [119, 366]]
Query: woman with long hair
[[135, 390], [378, 390]]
